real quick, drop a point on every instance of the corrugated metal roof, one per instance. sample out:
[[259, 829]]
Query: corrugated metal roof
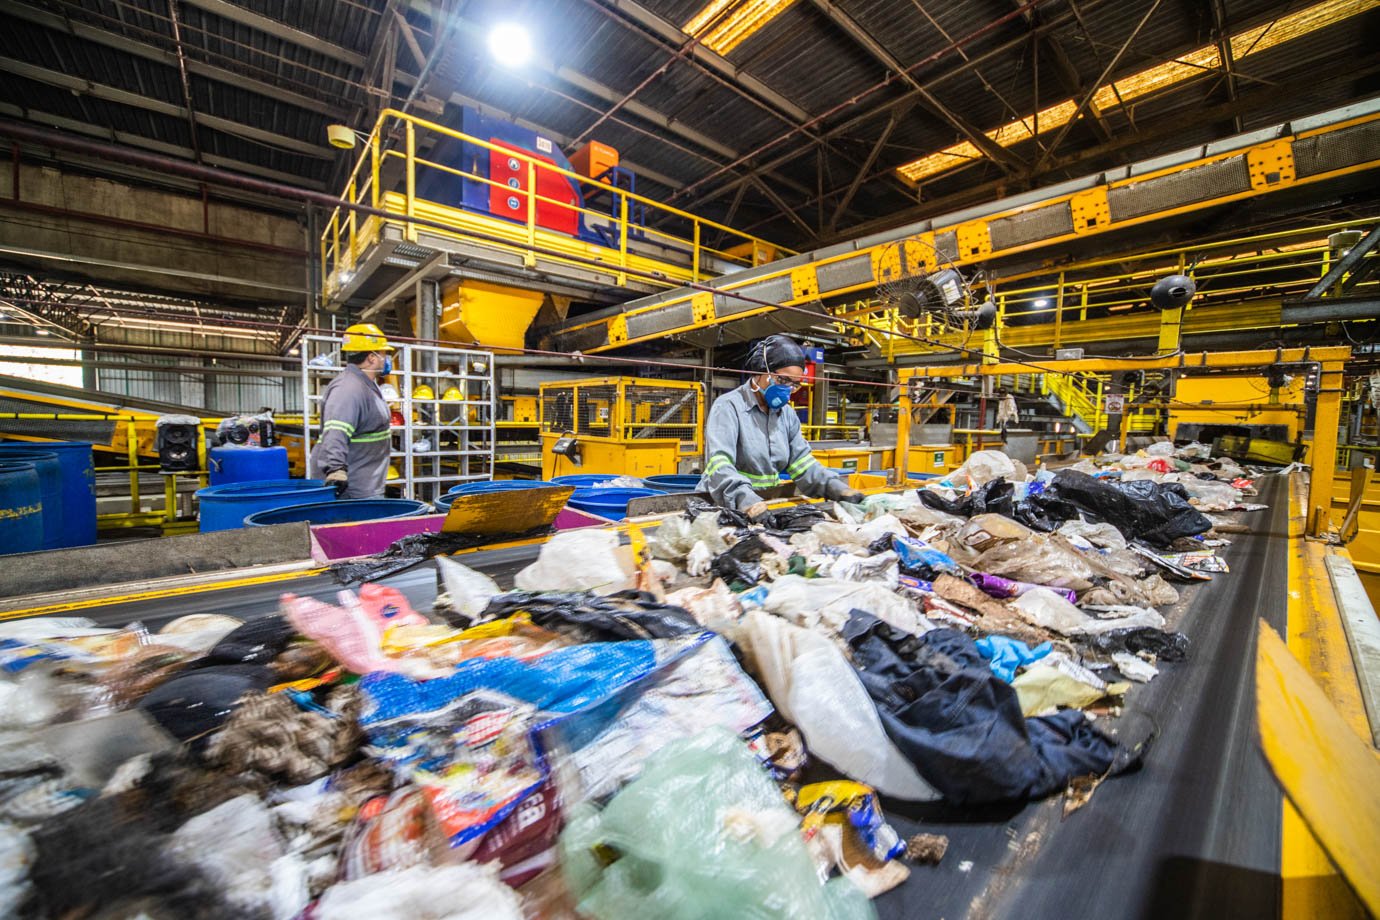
[[686, 123]]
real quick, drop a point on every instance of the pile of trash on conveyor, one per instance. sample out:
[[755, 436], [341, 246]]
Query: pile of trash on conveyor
[[704, 723]]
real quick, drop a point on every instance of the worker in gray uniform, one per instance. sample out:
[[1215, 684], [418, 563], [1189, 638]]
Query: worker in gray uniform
[[352, 454], [753, 435]]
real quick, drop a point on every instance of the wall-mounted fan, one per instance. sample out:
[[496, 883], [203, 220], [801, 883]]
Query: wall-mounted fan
[[920, 281]]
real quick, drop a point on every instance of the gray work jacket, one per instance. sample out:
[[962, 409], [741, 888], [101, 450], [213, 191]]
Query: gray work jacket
[[354, 434], [747, 446]]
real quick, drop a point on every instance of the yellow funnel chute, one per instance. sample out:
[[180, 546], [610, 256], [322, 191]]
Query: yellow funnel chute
[[494, 316]]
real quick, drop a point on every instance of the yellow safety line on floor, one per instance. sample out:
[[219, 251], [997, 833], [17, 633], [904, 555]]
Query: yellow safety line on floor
[[157, 594], [1311, 885]]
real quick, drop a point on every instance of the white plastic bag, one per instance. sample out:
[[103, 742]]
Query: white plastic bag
[[468, 891], [984, 466], [826, 603], [1101, 535], [469, 591], [1161, 449], [1044, 608], [881, 569], [1210, 495], [815, 687], [580, 560]]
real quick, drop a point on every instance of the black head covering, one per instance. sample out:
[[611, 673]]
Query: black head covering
[[774, 352]]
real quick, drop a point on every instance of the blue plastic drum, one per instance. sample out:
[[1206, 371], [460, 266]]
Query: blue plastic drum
[[49, 468], [498, 485], [346, 511], [78, 486], [225, 507], [672, 482], [608, 503], [21, 507]]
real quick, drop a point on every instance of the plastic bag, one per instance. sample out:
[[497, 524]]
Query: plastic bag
[[1161, 449], [715, 607], [1207, 495], [591, 618], [880, 569], [676, 537], [1041, 560], [985, 465], [996, 586], [1048, 610], [813, 686], [469, 591], [1044, 689], [826, 602], [467, 891], [1154, 512], [580, 560], [702, 833], [1166, 646], [1100, 535], [921, 560]]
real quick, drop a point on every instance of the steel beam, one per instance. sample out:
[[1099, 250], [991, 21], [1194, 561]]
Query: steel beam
[[861, 175], [995, 152], [148, 52], [1345, 264], [83, 87], [278, 29], [154, 146]]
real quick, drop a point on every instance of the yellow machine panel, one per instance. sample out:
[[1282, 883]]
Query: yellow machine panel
[[933, 458], [1236, 402], [624, 425]]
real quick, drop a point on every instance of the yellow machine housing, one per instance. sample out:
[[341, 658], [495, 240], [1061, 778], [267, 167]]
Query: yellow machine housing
[[494, 316], [1236, 402], [622, 425]]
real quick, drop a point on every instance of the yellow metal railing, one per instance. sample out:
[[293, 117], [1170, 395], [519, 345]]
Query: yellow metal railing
[[1081, 396], [346, 235]]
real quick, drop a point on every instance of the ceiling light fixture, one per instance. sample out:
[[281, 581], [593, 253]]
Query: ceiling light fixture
[[1041, 304], [510, 45], [722, 25]]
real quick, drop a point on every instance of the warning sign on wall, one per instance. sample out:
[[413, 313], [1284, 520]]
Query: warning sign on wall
[[1116, 403]]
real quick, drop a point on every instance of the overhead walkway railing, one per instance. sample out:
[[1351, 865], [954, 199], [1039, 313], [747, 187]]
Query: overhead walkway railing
[[1285, 156], [640, 233]]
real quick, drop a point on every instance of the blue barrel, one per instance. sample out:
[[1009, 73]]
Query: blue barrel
[[78, 486], [21, 507], [346, 511], [607, 503], [584, 480], [49, 469], [225, 507], [238, 463], [673, 482], [498, 485]]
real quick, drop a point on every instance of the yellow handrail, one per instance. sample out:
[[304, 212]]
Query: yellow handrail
[[341, 237]]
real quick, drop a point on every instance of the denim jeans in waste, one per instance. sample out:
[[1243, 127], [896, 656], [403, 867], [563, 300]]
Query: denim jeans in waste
[[960, 725]]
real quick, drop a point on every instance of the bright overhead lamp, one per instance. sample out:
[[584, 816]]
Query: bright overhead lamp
[[42, 332], [509, 44], [1041, 304], [722, 25]]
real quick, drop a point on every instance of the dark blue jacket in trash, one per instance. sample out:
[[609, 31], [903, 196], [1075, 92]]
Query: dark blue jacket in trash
[[961, 726]]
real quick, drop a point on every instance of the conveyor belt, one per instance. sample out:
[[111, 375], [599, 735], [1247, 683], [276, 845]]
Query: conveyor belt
[[1195, 832]]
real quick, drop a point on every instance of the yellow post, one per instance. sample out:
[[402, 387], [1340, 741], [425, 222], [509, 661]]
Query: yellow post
[[903, 408], [695, 256], [623, 239], [529, 258], [410, 206], [170, 498], [1059, 313], [374, 141], [1326, 418], [353, 195], [132, 453], [1083, 304]]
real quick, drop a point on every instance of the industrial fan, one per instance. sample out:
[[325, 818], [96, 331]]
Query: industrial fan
[[918, 280]]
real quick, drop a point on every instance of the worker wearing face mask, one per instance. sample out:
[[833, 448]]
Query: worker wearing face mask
[[753, 435], [352, 454]]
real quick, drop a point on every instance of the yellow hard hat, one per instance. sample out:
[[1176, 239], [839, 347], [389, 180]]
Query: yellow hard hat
[[423, 392], [393, 473], [365, 337], [452, 394]]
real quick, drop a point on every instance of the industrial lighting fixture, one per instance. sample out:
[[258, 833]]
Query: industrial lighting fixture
[[347, 276], [509, 44], [42, 332], [723, 25], [1041, 304], [1201, 61], [342, 136]]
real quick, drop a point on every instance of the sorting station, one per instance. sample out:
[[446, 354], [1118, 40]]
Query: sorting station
[[600, 459]]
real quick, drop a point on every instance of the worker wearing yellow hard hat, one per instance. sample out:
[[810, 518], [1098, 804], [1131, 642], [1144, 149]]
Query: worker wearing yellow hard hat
[[353, 451]]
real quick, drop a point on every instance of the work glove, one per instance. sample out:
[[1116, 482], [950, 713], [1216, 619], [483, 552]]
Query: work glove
[[851, 496], [340, 479], [753, 511]]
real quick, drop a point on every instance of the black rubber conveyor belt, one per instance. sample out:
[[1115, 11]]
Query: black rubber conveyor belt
[[1194, 833]]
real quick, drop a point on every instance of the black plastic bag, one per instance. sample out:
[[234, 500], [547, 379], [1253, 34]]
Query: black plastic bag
[[415, 549], [1166, 646], [995, 497], [257, 641], [592, 618], [795, 519], [1142, 510], [739, 562]]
